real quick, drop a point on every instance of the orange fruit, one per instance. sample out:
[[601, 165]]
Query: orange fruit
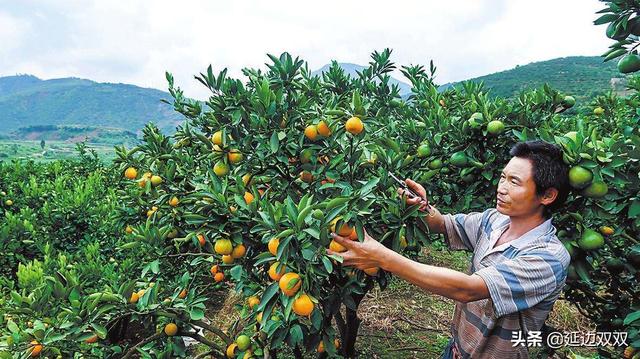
[[214, 269], [218, 277], [201, 240], [337, 247], [142, 183], [273, 273], [321, 345], [239, 251], [311, 132], [92, 339], [131, 173], [217, 138], [372, 271], [246, 179], [303, 305], [290, 284], [134, 298], [231, 350], [223, 246], [173, 202], [606, 230], [227, 259], [140, 293], [323, 129], [234, 156], [156, 180], [353, 235], [306, 176], [35, 348], [170, 329], [253, 301], [259, 317], [248, 197], [128, 229], [220, 169], [354, 125], [183, 294], [273, 245]]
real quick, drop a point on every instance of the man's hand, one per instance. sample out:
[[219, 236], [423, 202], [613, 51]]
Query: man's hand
[[417, 189], [362, 255]]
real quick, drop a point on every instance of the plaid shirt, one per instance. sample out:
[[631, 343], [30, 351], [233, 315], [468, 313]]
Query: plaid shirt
[[525, 276]]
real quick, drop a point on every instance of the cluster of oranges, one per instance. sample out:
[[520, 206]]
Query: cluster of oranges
[[233, 156]]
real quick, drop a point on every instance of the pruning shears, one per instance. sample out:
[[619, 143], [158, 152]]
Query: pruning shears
[[403, 185]]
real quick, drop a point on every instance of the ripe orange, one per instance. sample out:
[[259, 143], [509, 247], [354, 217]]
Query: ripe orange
[[142, 183], [290, 284], [323, 129], [372, 271], [170, 329], [353, 235], [248, 197], [201, 239], [306, 176], [35, 349], [259, 317], [303, 305], [234, 156], [337, 247], [239, 251], [128, 229], [273, 245], [273, 273], [227, 259], [134, 298], [131, 173], [311, 132], [606, 230], [140, 293], [214, 269], [231, 350], [253, 301], [92, 339], [223, 246], [183, 294], [173, 202], [218, 277], [354, 125], [220, 169]]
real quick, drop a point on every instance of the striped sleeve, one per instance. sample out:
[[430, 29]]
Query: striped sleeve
[[463, 230], [524, 281]]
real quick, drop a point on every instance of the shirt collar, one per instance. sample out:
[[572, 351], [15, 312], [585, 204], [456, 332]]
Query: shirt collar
[[543, 230]]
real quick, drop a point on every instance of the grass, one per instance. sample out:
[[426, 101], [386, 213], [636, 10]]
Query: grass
[[403, 321]]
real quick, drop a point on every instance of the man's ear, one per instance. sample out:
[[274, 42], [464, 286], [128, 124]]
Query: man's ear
[[549, 196]]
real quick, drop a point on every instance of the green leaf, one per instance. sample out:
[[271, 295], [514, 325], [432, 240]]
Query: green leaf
[[196, 313], [100, 330], [327, 265], [632, 317], [634, 209], [274, 143]]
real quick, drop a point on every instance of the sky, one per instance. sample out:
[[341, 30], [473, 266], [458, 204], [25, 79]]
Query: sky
[[135, 41]]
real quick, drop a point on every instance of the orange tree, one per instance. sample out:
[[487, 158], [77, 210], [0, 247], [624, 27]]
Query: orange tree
[[271, 165]]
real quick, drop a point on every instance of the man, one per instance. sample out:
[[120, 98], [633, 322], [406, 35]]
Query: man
[[518, 268]]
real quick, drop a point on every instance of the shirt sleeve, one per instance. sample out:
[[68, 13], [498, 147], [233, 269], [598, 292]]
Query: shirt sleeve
[[524, 281], [463, 230]]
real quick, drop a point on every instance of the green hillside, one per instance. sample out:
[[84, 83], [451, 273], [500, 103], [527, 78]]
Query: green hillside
[[582, 76], [28, 101]]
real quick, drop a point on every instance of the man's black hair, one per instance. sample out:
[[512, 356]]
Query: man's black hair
[[549, 170]]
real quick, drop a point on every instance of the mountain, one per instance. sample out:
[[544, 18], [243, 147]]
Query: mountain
[[584, 77], [26, 101], [350, 69]]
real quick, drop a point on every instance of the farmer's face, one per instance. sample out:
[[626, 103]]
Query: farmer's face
[[516, 195]]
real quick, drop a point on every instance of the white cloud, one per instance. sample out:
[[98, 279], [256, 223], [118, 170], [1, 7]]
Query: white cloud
[[136, 41]]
